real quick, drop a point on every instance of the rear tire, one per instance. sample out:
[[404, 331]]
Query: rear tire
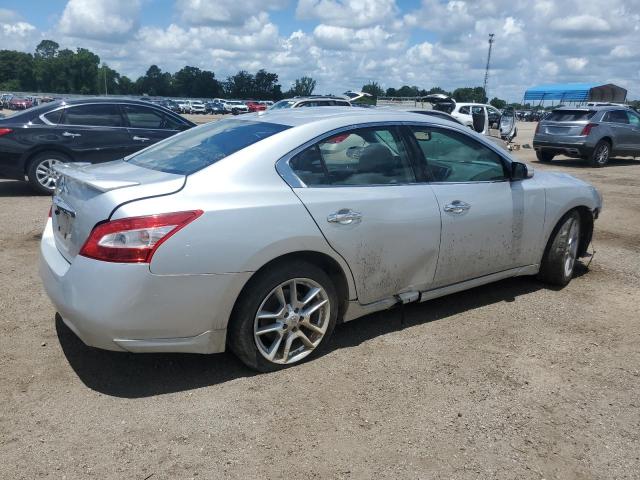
[[600, 155], [268, 305], [561, 253], [544, 157], [40, 173]]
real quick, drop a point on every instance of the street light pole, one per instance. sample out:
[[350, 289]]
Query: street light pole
[[486, 73]]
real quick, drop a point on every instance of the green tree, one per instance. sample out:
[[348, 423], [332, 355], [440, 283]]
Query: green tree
[[302, 87], [155, 82], [47, 49], [498, 102], [16, 70], [240, 85], [469, 94], [193, 82], [407, 91], [266, 86], [391, 92], [373, 89]]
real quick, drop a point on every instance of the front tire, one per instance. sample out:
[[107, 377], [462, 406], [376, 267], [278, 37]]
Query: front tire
[[40, 173], [600, 156], [283, 316], [561, 253]]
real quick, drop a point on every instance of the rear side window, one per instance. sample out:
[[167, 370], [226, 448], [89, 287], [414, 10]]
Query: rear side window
[[196, 149], [142, 117], [54, 117], [96, 115], [617, 116], [570, 115], [465, 110], [366, 156]]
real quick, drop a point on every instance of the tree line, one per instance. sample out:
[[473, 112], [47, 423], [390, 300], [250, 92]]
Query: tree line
[[53, 70]]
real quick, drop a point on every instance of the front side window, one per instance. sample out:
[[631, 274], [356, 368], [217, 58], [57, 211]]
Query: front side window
[[95, 115], [366, 156], [634, 119], [455, 157], [196, 149], [477, 110], [142, 117]]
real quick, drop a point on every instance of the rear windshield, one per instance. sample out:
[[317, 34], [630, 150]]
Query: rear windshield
[[570, 115], [200, 147]]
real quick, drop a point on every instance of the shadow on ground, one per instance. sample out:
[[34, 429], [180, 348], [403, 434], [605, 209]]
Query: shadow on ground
[[141, 375], [579, 163], [15, 188]]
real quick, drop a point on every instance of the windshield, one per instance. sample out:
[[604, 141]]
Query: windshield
[[283, 104], [570, 115], [200, 147]]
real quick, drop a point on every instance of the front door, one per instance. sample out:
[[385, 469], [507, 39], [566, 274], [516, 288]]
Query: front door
[[147, 126], [482, 215], [362, 192]]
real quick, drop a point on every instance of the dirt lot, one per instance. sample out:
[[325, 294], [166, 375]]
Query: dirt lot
[[508, 381]]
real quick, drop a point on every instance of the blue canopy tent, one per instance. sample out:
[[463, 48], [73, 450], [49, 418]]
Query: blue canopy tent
[[576, 92]]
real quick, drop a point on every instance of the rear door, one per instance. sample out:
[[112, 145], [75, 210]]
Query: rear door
[[489, 224], [94, 132], [147, 125], [362, 191], [623, 136]]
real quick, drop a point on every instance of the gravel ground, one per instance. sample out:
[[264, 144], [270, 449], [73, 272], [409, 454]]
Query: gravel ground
[[508, 381]]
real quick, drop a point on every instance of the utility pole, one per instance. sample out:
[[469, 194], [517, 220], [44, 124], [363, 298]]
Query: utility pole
[[104, 69], [486, 73]]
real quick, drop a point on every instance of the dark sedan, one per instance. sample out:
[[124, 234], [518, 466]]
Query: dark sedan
[[88, 130]]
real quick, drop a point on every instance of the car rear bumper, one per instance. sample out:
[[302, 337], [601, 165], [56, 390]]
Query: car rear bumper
[[566, 148], [125, 307]]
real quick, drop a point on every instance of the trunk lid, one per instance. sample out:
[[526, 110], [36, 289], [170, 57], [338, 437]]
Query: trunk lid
[[566, 122], [87, 194]]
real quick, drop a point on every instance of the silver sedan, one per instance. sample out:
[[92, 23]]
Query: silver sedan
[[261, 233]]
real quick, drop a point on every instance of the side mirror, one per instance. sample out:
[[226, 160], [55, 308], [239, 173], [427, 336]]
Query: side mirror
[[520, 171]]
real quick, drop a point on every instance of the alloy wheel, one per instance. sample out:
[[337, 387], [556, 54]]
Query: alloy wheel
[[45, 174], [602, 155], [292, 321], [571, 233]]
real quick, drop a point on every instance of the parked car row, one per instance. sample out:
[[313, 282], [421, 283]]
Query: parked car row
[[11, 101], [215, 106]]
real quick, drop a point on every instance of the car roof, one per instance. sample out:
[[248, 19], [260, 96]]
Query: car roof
[[342, 116], [592, 107]]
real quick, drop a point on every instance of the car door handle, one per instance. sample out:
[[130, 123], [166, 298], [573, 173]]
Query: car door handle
[[457, 207], [140, 139], [344, 216], [72, 135]]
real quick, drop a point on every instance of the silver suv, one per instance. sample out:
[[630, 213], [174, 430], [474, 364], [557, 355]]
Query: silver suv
[[593, 133]]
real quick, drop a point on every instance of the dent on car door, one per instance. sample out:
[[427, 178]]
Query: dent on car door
[[360, 187], [147, 126], [489, 224], [96, 132]]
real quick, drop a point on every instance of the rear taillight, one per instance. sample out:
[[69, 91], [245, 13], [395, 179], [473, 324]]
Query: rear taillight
[[587, 129], [134, 239], [5, 131]]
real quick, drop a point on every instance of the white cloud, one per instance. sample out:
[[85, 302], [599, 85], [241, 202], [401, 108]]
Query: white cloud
[[230, 12], [16, 34], [576, 63], [347, 13], [108, 20], [583, 24]]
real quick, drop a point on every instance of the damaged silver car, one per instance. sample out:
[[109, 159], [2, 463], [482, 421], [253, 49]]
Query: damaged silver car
[[261, 233]]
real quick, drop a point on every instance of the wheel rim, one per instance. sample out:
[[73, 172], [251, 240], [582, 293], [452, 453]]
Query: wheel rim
[[45, 174], [571, 233], [602, 154], [292, 321]]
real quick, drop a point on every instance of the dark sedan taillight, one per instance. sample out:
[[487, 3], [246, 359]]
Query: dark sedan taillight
[[5, 131], [587, 129]]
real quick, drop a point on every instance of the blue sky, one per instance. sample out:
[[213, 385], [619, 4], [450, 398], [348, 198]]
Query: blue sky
[[345, 43]]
